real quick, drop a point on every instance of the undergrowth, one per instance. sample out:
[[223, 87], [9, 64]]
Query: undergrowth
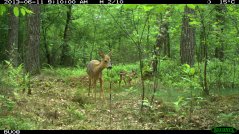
[[178, 95]]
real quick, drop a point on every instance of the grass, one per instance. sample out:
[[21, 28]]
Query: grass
[[60, 101], [15, 123], [64, 72]]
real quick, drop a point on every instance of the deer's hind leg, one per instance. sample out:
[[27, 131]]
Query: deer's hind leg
[[94, 84], [125, 81], [89, 86], [101, 86]]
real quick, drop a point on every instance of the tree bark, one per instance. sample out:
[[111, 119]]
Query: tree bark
[[66, 59], [163, 37], [203, 52], [220, 19], [13, 37], [32, 59], [188, 41], [44, 35]]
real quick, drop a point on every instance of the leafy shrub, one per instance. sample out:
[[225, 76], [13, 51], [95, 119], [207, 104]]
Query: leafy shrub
[[15, 76], [64, 72], [6, 104], [12, 123], [75, 113], [113, 74], [222, 73]]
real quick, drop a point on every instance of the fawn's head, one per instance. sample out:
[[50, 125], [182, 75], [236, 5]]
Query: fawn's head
[[106, 59], [133, 73]]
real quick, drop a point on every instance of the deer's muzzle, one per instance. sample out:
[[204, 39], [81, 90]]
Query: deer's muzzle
[[109, 66]]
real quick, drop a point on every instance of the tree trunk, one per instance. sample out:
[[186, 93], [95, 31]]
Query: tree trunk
[[220, 18], [44, 35], [93, 45], [65, 57], [84, 58], [163, 36], [47, 51], [188, 41], [203, 53], [32, 59], [148, 45], [13, 37]]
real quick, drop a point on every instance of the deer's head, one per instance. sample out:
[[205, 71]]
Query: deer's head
[[106, 59], [134, 73]]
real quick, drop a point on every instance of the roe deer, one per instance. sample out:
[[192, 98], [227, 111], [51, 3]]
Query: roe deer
[[126, 76], [94, 71]]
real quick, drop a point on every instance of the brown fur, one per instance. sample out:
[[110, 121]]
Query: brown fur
[[94, 71], [127, 76]]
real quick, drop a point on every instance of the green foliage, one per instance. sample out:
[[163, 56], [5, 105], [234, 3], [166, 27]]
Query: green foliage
[[14, 79], [119, 28], [24, 10], [16, 11], [75, 113], [170, 73], [130, 6], [13, 123], [6, 104], [64, 72], [178, 103], [113, 74], [191, 6], [146, 103], [183, 103], [188, 70], [222, 73], [15, 76], [80, 98], [3, 9], [226, 117]]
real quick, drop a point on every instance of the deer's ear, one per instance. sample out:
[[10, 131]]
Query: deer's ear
[[101, 54], [110, 53]]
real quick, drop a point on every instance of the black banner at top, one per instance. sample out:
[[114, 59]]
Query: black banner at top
[[118, 1]]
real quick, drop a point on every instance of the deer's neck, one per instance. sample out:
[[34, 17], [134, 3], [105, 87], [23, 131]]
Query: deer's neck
[[101, 67]]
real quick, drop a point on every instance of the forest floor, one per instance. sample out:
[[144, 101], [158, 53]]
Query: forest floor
[[62, 103]]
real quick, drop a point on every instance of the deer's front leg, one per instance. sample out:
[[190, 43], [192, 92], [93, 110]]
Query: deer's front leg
[[101, 87]]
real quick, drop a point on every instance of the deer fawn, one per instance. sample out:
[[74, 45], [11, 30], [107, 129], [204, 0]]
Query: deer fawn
[[94, 71], [126, 76]]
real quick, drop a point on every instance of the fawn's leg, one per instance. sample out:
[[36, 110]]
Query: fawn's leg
[[89, 86], [101, 88], [125, 81], [120, 80]]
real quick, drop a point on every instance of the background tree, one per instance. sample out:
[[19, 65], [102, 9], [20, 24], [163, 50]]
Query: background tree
[[163, 42], [13, 35], [32, 48], [220, 28], [66, 59], [188, 41]]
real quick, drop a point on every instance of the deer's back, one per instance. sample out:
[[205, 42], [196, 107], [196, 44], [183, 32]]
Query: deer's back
[[91, 66]]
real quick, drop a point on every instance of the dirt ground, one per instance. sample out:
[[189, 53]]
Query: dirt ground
[[58, 103]]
